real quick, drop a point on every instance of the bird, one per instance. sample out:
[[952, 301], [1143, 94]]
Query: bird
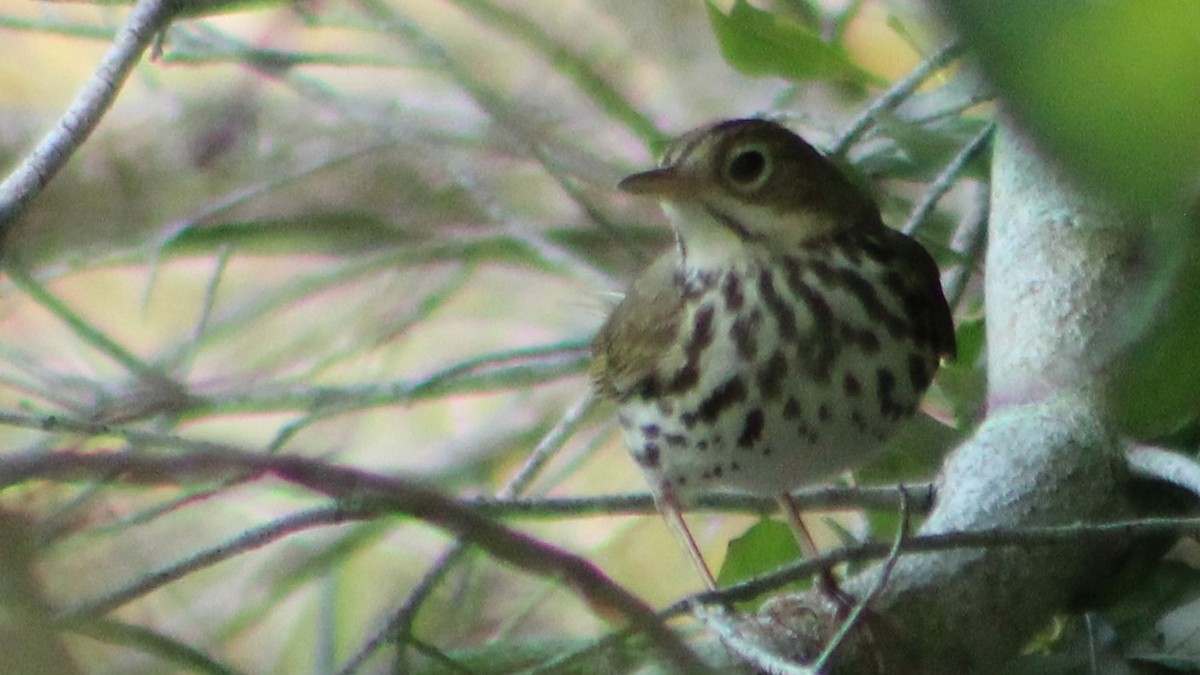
[[780, 340]]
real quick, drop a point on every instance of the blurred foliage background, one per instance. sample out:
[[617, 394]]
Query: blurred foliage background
[[382, 234]]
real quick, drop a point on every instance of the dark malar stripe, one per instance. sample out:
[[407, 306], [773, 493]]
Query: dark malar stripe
[[733, 224]]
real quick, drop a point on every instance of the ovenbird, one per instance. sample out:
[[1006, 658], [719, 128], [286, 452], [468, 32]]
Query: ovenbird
[[783, 336]]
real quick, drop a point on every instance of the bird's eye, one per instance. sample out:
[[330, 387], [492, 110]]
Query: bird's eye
[[748, 168]]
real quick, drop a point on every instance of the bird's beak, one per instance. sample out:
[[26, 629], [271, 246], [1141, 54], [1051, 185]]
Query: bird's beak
[[663, 182]]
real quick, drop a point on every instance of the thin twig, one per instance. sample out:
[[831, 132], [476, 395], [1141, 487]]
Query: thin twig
[[82, 329], [568, 64], [1048, 535], [830, 498], [895, 96], [400, 624], [953, 110], [1160, 464], [149, 641], [247, 541], [764, 659], [405, 496], [946, 179], [636, 504], [487, 372], [401, 495], [246, 193], [863, 606], [512, 120], [974, 232], [733, 635], [206, 310], [58, 27], [147, 18]]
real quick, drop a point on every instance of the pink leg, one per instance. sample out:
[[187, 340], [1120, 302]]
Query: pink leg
[[825, 580], [670, 509]]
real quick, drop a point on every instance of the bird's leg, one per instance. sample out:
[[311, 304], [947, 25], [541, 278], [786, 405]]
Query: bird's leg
[[669, 507], [824, 580]]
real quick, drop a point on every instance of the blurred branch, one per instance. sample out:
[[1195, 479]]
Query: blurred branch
[[248, 541], [986, 538], [152, 642], [496, 371], [489, 372], [400, 624], [947, 179], [346, 484], [244, 194], [973, 233], [571, 66], [808, 499], [1166, 466], [895, 95], [58, 27], [954, 109], [85, 331], [147, 18], [512, 119]]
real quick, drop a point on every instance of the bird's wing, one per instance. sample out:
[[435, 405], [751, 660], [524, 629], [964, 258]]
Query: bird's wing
[[630, 349], [928, 301]]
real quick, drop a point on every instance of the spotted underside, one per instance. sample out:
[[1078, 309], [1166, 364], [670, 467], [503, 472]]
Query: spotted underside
[[777, 372]]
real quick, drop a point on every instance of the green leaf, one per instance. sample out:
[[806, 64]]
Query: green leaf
[[765, 547], [1157, 396], [330, 233], [759, 43], [1110, 88], [919, 153]]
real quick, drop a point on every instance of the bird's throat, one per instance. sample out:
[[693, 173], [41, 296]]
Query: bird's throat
[[704, 241]]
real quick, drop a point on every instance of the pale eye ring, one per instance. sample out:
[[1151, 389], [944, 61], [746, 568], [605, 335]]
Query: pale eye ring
[[748, 167]]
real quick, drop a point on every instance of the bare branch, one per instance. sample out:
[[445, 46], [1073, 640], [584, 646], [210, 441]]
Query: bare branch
[[399, 494], [895, 95], [147, 18], [1164, 465]]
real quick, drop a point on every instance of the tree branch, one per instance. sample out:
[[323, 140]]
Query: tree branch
[[355, 486], [147, 18]]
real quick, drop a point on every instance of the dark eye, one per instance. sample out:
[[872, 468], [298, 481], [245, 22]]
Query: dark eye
[[747, 168]]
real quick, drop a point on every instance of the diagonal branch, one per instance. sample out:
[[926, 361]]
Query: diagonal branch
[[355, 486], [81, 117]]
